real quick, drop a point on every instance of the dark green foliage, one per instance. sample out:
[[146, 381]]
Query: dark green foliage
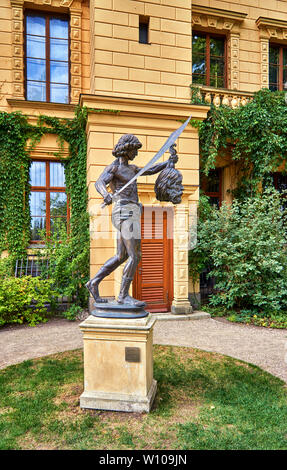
[[70, 259], [246, 244], [74, 133], [14, 183], [69, 253], [254, 134], [65, 259]]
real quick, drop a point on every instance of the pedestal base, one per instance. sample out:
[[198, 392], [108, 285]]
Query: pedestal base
[[181, 308], [119, 402], [115, 310], [118, 364]]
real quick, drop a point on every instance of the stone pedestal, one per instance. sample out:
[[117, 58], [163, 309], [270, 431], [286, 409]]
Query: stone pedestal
[[118, 364]]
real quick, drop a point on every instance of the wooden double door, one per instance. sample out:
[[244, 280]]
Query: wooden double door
[[153, 282]]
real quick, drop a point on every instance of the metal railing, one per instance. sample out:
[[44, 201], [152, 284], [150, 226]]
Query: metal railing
[[33, 266], [30, 266]]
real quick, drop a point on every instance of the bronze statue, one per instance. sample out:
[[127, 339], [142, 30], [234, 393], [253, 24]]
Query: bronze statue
[[116, 176], [121, 177]]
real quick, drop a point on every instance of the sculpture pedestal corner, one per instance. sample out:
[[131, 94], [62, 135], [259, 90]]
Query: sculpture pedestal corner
[[118, 364]]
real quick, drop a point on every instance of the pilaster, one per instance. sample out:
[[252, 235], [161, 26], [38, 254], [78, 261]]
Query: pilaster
[[181, 303], [17, 48]]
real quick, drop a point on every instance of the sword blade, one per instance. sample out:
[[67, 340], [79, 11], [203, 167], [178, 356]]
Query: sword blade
[[172, 138]]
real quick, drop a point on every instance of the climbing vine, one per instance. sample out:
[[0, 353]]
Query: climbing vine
[[14, 182], [254, 135], [17, 139]]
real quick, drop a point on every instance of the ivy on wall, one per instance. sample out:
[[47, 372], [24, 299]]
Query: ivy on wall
[[14, 183], [17, 139], [254, 135]]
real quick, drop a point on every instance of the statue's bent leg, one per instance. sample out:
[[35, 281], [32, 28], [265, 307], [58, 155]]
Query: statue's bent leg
[[133, 248], [107, 268]]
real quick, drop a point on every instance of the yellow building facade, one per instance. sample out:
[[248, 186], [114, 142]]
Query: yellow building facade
[[133, 61]]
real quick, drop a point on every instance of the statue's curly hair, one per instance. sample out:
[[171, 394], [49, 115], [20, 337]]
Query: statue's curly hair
[[126, 143]]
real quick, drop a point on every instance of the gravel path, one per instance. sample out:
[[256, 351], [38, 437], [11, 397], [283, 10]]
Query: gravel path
[[267, 348]]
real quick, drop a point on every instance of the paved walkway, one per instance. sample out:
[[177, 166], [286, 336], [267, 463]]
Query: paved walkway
[[267, 348]]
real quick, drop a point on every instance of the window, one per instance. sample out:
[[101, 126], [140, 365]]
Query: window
[[209, 60], [280, 181], [48, 199], [47, 58], [211, 185], [143, 29], [277, 67]]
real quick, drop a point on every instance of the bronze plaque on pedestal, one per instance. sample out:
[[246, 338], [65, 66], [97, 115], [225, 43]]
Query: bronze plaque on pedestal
[[133, 354]]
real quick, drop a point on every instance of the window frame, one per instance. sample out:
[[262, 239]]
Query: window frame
[[47, 189], [281, 47], [275, 177], [213, 194], [209, 35], [144, 21], [47, 15]]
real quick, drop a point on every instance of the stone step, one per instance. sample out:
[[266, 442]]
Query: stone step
[[198, 315]]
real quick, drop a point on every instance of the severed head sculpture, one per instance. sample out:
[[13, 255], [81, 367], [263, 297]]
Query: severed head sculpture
[[168, 186]]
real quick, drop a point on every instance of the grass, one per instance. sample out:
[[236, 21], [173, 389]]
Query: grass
[[204, 401]]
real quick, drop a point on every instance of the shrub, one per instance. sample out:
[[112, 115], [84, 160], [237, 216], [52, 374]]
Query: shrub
[[6, 267], [68, 261], [24, 300], [246, 244], [73, 312]]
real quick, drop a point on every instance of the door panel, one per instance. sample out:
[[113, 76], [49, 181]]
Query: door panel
[[153, 281]]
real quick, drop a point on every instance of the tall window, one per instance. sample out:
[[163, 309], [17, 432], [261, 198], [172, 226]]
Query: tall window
[[48, 200], [277, 67], [143, 29], [208, 60], [280, 183], [47, 58], [211, 185]]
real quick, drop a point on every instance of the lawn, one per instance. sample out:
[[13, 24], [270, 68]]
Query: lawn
[[204, 401]]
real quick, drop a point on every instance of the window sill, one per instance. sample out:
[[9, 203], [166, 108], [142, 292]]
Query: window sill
[[16, 103], [36, 246]]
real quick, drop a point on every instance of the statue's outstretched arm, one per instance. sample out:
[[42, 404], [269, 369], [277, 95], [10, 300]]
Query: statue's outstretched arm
[[155, 168], [160, 166]]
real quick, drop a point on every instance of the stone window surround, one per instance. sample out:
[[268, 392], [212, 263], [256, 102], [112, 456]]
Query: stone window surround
[[269, 30], [73, 8], [227, 22]]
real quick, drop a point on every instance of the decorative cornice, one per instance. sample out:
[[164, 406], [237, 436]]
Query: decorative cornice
[[137, 106], [216, 18], [262, 22], [218, 12], [53, 3], [272, 28]]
